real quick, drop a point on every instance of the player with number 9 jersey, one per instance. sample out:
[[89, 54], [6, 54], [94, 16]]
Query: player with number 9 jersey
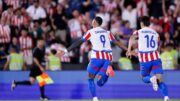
[[101, 43], [101, 54]]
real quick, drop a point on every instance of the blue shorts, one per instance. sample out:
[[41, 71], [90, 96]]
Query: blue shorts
[[98, 66], [153, 66]]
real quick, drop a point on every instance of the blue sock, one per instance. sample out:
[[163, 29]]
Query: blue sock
[[163, 88], [146, 79], [92, 87], [102, 81]]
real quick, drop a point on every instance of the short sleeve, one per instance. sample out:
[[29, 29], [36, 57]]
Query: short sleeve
[[87, 36], [135, 32], [111, 37], [35, 53]]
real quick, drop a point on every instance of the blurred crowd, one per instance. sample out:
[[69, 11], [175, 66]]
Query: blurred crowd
[[61, 22]]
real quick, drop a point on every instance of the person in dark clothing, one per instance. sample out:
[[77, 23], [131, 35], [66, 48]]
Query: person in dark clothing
[[3, 58], [59, 24], [36, 70]]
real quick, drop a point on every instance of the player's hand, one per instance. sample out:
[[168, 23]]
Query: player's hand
[[128, 54]]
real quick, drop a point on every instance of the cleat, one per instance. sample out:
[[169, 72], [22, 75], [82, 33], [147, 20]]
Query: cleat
[[110, 71], [153, 80], [44, 98], [13, 85], [166, 98], [95, 99]]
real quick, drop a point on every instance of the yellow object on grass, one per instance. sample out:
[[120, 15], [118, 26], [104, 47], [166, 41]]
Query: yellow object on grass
[[44, 79]]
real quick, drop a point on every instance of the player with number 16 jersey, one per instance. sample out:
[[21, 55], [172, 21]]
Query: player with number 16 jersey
[[148, 40]]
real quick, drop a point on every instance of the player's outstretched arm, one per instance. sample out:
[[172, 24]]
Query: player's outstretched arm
[[75, 44], [120, 45]]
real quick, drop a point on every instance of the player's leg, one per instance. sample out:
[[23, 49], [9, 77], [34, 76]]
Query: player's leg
[[102, 75], [145, 72], [91, 84], [93, 69], [157, 71]]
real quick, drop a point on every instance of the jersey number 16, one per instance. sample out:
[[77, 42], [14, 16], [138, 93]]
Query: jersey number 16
[[150, 41]]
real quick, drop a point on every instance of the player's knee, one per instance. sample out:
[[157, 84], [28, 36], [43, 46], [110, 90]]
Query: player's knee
[[100, 83], [91, 76]]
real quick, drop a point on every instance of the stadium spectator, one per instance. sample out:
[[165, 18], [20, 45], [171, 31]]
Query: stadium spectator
[[51, 37], [130, 14], [1, 6], [15, 44], [126, 31], [15, 60], [59, 23], [7, 14], [5, 32], [14, 3], [104, 15], [18, 19], [142, 9], [3, 58], [125, 63], [26, 46], [74, 26], [168, 60], [54, 62], [44, 26], [35, 11]]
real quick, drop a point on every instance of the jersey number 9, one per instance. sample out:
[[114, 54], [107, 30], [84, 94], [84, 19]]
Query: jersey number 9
[[150, 41], [103, 40]]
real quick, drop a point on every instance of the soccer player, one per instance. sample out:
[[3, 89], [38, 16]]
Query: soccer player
[[36, 70], [148, 55], [101, 55]]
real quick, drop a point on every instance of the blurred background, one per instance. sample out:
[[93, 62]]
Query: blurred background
[[62, 22]]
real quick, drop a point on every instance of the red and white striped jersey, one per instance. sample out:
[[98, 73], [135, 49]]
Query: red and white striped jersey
[[18, 20], [26, 45], [101, 43], [6, 15], [75, 28], [142, 8], [148, 40], [5, 34], [14, 3]]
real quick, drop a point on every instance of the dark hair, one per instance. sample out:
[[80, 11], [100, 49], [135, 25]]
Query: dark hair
[[98, 20], [24, 28], [145, 20], [53, 51], [10, 6]]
